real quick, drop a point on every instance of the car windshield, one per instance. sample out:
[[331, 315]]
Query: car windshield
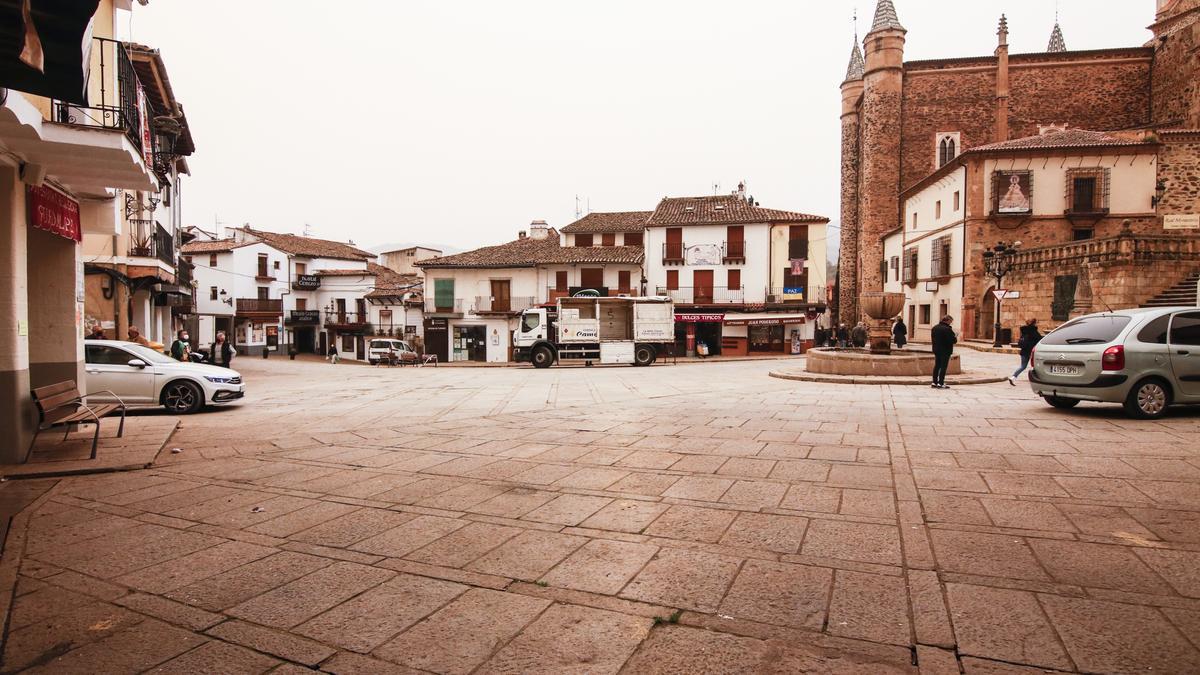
[[1088, 330], [148, 355]]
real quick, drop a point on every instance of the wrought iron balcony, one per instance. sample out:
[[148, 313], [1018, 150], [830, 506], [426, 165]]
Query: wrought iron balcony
[[118, 105], [704, 295], [673, 253], [347, 320], [433, 306], [489, 304], [807, 295], [148, 239]]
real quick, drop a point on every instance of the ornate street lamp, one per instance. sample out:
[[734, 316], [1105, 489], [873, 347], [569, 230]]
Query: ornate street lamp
[[997, 261]]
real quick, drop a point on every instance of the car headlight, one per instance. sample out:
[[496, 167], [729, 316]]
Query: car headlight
[[218, 380]]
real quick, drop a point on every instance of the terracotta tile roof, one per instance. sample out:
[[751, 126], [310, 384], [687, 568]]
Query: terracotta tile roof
[[530, 252], [620, 221], [1068, 138], [310, 247], [721, 210], [391, 284], [344, 273], [210, 246]]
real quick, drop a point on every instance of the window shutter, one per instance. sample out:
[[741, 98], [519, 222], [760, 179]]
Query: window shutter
[[443, 293]]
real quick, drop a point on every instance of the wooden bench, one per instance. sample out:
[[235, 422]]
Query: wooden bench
[[61, 405]]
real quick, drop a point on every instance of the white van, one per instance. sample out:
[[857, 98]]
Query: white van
[[378, 348]]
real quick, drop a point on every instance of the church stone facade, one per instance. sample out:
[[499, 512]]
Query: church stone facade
[[903, 122]]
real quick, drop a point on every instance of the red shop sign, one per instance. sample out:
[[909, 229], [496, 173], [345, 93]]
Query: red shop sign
[[699, 318], [54, 212]]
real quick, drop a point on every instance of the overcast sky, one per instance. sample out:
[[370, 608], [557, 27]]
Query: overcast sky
[[458, 123]]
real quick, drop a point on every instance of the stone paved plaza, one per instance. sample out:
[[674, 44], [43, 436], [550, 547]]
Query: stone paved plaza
[[677, 519]]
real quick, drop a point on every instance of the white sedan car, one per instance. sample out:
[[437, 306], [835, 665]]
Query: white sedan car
[[141, 376]]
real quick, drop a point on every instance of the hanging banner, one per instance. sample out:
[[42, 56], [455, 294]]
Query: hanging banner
[[54, 212], [147, 140], [798, 265]]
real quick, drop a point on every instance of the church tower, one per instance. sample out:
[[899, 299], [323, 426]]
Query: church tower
[[852, 90], [880, 121]]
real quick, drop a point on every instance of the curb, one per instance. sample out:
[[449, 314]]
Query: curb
[[902, 381], [88, 470]]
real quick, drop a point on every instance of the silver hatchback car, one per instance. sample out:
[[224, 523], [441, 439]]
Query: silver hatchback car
[[1146, 359]]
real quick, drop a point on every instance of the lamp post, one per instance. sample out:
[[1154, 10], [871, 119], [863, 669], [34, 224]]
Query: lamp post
[[997, 261]]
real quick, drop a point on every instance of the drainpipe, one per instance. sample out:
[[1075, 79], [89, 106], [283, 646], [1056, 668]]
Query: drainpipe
[[963, 293]]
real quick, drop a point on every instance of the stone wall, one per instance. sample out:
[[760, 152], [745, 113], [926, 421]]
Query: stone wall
[[1176, 97], [949, 100], [848, 255], [1179, 170]]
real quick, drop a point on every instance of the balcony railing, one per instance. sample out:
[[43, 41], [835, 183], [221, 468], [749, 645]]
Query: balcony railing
[[673, 252], [704, 295], [554, 293], [258, 306], [732, 251], [484, 303], [148, 239], [808, 295], [347, 318], [433, 306], [117, 105], [1123, 248]]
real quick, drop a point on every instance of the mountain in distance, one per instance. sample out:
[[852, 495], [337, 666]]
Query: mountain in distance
[[446, 250]]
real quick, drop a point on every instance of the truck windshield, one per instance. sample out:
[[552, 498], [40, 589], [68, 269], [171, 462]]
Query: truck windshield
[[530, 322]]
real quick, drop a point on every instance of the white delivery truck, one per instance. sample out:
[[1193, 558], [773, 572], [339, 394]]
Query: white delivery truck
[[605, 330]]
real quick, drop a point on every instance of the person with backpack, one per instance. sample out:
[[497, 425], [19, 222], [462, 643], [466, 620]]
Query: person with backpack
[[1030, 336]]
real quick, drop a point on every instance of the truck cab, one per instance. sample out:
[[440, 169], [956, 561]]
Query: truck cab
[[533, 330]]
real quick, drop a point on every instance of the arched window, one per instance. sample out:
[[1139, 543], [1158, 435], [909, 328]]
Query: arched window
[[947, 148]]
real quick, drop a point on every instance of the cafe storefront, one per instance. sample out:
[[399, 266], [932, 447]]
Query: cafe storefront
[[767, 333], [698, 331]]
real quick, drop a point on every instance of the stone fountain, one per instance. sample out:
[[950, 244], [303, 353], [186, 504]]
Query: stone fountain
[[878, 360]]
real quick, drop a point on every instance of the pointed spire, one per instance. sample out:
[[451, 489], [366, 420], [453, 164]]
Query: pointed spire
[[1057, 43], [885, 17], [857, 66]]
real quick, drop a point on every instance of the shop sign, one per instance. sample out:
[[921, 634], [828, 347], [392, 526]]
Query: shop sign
[[699, 318], [54, 212], [1182, 221], [704, 254], [306, 282], [769, 321]]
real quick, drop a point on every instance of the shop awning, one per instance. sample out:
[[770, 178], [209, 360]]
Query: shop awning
[[54, 38], [764, 319]]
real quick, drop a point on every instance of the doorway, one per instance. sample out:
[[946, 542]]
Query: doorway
[[987, 316], [501, 298], [702, 286], [470, 343]]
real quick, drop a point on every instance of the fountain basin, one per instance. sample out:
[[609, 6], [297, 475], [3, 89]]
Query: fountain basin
[[899, 363]]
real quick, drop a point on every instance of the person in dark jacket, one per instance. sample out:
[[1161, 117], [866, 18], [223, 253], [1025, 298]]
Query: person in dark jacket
[[900, 333], [843, 336], [221, 353], [943, 338], [181, 348], [1030, 336], [859, 335]]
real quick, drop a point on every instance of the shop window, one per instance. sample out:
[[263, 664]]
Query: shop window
[[925, 315], [1087, 190], [633, 238], [583, 240]]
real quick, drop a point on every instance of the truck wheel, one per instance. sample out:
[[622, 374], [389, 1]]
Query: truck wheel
[[643, 355], [541, 357]]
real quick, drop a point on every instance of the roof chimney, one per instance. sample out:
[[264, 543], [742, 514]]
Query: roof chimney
[[521, 234], [538, 229], [741, 191]]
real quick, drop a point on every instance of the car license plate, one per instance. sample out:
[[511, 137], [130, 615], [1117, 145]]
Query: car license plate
[[1064, 370]]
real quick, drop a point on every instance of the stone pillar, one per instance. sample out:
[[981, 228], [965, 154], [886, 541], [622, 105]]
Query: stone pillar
[[1001, 133], [879, 204], [848, 257], [55, 310], [17, 416], [690, 347]]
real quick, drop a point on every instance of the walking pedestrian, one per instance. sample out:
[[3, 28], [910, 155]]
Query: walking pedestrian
[[181, 348], [843, 336], [221, 352], [943, 338], [333, 354], [1030, 336], [900, 333]]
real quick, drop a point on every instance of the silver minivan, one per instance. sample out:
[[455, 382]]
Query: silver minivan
[[1146, 359]]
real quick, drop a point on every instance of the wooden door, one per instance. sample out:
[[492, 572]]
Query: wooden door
[[591, 277], [674, 246], [702, 286], [501, 298]]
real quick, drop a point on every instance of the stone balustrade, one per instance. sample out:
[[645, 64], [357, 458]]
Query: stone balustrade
[[1123, 248]]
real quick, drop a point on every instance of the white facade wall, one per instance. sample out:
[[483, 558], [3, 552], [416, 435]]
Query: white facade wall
[[756, 271], [1132, 178], [568, 239], [929, 299], [817, 256]]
